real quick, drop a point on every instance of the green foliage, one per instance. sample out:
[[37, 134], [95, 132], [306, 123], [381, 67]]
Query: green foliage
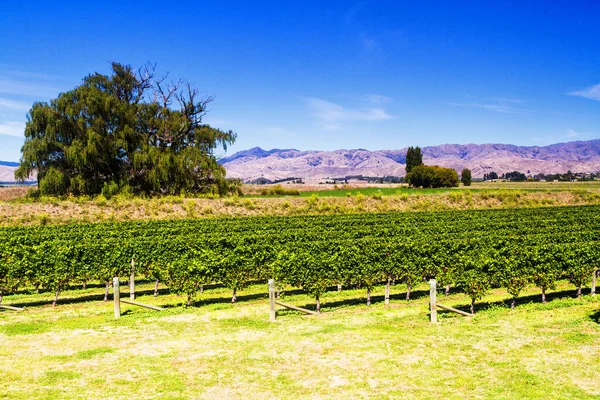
[[414, 158], [128, 129], [470, 249], [279, 190], [465, 177], [432, 176]]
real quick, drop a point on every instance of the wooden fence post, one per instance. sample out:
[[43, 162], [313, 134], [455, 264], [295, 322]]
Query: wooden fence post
[[432, 301], [272, 299], [387, 293], [132, 281], [117, 298]]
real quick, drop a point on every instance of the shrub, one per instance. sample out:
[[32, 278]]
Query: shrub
[[432, 176]]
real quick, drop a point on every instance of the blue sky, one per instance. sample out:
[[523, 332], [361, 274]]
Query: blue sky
[[327, 74]]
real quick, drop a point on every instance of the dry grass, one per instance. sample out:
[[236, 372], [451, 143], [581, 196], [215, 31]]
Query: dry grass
[[51, 211], [216, 350], [9, 193]]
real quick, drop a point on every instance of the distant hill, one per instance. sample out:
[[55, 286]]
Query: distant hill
[[7, 172], [579, 156]]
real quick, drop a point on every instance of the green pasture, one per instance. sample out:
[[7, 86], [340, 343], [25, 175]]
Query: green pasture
[[219, 350]]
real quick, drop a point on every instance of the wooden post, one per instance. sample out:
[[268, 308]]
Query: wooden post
[[272, 299], [466, 314], [432, 301], [117, 298], [594, 283], [135, 303], [132, 281], [387, 292]]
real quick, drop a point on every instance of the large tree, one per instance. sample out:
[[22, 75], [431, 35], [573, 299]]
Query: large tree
[[432, 176], [414, 158], [130, 130]]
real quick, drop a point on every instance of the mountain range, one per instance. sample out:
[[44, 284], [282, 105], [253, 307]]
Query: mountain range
[[249, 165], [7, 171]]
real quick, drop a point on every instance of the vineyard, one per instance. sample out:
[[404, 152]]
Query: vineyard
[[470, 250]]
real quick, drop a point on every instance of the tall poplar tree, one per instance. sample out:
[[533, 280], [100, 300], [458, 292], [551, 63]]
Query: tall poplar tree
[[414, 158], [128, 130]]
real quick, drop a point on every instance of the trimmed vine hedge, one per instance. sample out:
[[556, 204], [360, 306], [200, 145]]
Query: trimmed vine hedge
[[474, 250]]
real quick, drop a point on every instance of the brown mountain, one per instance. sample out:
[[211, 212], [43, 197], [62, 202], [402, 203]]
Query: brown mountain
[[7, 172], [580, 156]]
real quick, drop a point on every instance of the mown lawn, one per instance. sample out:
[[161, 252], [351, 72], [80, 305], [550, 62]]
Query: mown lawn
[[219, 350]]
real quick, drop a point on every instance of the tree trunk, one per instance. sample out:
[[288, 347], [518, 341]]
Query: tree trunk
[[156, 288], [447, 291], [106, 291], [593, 289], [189, 300], [37, 288], [318, 304], [0, 295], [543, 294], [513, 303], [368, 296], [277, 292], [55, 298], [84, 284], [408, 288], [579, 292], [339, 287], [394, 281], [472, 306], [234, 297], [201, 289]]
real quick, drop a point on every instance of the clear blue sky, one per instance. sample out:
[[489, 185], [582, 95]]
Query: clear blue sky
[[325, 74]]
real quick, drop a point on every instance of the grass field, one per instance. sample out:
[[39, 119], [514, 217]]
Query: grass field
[[22, 211], [403, 189], [219, 350]]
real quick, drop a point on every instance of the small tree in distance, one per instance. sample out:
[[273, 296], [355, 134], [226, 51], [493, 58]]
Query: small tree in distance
[[465, 177]]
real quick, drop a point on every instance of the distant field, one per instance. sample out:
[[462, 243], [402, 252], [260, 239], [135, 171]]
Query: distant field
[[15, 209], [400, 189], [219, 350]]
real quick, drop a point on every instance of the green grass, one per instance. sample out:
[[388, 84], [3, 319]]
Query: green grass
[[220, 350], [370, 191], [476, 187]]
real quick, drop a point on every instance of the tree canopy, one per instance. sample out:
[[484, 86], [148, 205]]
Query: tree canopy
[[465, 177], [432, 176], [414, 158], [129, 131]]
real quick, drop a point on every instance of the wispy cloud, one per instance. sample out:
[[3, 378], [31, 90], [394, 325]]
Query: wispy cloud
[[507, 100], [14, 104], [501, 108], [568, 135], [499, 104], [351, 13], [376, 98], [592, 92], [366, 99], [369, 45], [22, 88], [12, 128], [331, 115]]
